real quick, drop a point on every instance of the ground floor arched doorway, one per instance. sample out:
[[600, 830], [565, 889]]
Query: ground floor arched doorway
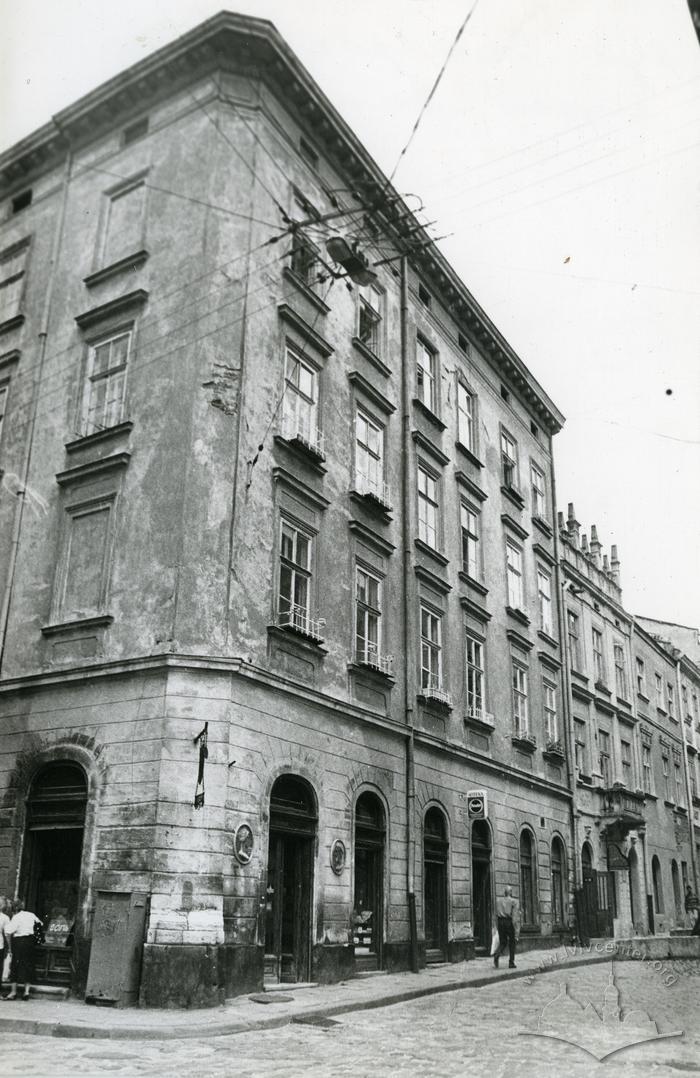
[[368, 899], [435, 850], [289, 891], [481, 886]]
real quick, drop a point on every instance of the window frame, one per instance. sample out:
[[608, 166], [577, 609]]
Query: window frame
[[291, 422], [470, 539], [598, 653], [510, 466], [528, 878], [104, 259], [551, 711], [544, 600], [626, 763], [539, 496], [100, 504], [640, 676], [373, 649], [647, 769], [424, 500], [605, 758], [296, 569], [127, 329], [520, 696], [427, 376], [374, 485], [429, 679], [515, 573], [467, 415], [559, 876], [374, 315], [573, 621], [475, 673], [622, 688], [17, 277]]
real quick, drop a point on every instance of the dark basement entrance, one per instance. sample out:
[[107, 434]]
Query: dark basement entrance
[[289, 891]]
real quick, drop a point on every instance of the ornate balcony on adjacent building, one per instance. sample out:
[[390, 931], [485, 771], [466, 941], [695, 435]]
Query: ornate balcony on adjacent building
[[622, 809]]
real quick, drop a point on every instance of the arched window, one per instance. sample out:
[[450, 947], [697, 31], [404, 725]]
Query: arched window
[[658, 887], [527, 878], [558, 877]]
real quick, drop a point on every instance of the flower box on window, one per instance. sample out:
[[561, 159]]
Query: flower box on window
[[524, 740]]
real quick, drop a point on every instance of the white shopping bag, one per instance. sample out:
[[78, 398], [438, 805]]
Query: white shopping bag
[[6, 967], [495, 942]]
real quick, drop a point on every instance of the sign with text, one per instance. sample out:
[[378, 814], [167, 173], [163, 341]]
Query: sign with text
[[477, 804]]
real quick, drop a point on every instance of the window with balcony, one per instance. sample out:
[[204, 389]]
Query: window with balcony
[[105, 383], [641, 677], [476, 705], [539, 492], [509, 461], [368, 615], [13, 263], [544, 593], [300, 405], [521, 715], [622, 688], [551, 724], [626, 761], [428, 507], [294, 601], [426, 373], [369, 458], [469, 520], [604, 757], [514, 575], [369, 317], [466, 417], [431, 652], [574, 639], [598, 657]]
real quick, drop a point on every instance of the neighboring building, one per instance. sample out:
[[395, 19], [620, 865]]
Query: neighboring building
[[634, 856], [275, 545]]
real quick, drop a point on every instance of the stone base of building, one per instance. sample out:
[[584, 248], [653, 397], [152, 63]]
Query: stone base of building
[[331, 963], [182, 975]]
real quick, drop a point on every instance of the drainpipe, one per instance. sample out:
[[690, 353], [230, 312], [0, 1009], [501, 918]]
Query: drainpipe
[[409, 620], [26, 463], [566, 680], [686, 772]]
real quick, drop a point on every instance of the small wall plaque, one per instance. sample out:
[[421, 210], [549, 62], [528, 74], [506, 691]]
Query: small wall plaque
[[338, 855], [243, 843]]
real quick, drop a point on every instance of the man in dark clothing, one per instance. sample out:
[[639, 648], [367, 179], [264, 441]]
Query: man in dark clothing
[[507, 911]]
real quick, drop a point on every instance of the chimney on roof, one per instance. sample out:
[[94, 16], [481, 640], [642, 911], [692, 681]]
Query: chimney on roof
[[606, 565], [560, 522], [584, 544], [572, 526], [614, 564], [595, 546]]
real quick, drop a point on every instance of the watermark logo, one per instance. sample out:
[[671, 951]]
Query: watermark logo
[[601, 1029]]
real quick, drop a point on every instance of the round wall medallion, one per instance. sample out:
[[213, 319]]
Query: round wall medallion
[[338, 856], [243, 843]]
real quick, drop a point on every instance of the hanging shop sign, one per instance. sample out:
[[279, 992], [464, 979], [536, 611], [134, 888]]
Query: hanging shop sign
[[477, 804]]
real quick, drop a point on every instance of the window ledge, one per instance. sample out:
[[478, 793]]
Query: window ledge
[[661, 711], [600, 686], [372, 672], [518, 615], [526, 743], [304, 451], [465, 452], [432, 703], [514, 496], [544, 526], [681, 810], [130, 262], [474, 584], [302, 640], [425, 548], [625, 703], [669, 804], [84, 441], [555, 756], [429, 414], [373, 504], [12, 323], [650, 796], [485, 725], [583, 678], [641, 696], [548, 638], [371, 357], [96, 621], [307, 292], [585, 780]]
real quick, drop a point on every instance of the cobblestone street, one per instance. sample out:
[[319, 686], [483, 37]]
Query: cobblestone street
[[480, 1031]]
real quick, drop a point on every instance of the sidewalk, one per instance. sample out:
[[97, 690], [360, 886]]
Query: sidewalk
[[73, 1018]]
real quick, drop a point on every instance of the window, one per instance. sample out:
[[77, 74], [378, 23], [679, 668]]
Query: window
[[685, 705], [85, 561], [696, 710], [667, 777], [572, 629], [369, 455], [295, 577], [369, 318], [124, 227], [598, 659], [505, 393], [670, 700], [558, 917], [527, 878], [303, 257], [466, 417], [3, 405], [604, 757], [12, 270], [431, 649], [425, 375], [427, 507], [21, 201], [641, 676], [469, 519], [463, 343], [509, 460], [659, 691], [621, 681], [646, 769], [539, 499], [626, 759], [550, 711], [693, 777], [514, 575], [367, 617], [580, 746], [678, 776], [424, 296], [300, 399], [521, 716], [475, 678], [544, 593], [103, 395]]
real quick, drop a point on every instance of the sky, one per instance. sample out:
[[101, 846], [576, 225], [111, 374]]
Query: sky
[[560, 152]]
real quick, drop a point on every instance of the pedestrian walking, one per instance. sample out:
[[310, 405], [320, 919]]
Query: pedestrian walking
[[507, 913], [4, 940], [692, 908], [22, 930]]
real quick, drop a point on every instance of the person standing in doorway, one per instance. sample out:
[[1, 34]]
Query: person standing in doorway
[[4, 940], [507, 912], [692, 907], [22, 929]]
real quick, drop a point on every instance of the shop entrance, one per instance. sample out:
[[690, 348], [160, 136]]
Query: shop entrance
[[368, 905], [50, 877], [481, 886], [289, 892], [435, 849]]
